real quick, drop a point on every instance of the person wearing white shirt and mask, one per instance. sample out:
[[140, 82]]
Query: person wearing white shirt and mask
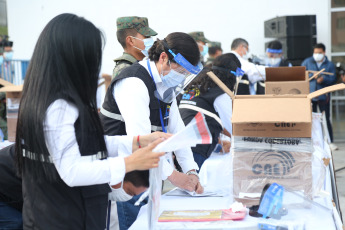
[[274, 58], [255, 73], [142, 99], [66, 162], [204, 95]]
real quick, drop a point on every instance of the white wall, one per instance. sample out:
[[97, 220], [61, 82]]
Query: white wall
[[221, 20]]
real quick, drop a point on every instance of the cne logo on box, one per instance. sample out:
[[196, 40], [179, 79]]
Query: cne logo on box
[[272, 163], [285, 125]]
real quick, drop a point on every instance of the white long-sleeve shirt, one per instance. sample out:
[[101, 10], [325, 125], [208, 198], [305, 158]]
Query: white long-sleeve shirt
[[132, 98], [74, 169], [254, 72], [223, 106]]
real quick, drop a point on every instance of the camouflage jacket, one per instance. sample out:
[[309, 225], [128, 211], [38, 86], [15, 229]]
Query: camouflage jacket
[[209, 60], [122, 62]]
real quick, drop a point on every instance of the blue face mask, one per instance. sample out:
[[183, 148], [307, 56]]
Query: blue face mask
[[148, 42], [8, 55], [1, 59], [173, 78], [205, 50]]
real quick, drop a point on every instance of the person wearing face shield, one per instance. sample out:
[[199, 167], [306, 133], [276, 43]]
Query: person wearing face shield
[[200, 39], [274, 58], [253, 72], [204, 95], [135, 37], [142, 99], [317, 62]]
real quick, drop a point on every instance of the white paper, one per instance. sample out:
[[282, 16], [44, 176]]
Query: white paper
[[188, 137], [182, 192]]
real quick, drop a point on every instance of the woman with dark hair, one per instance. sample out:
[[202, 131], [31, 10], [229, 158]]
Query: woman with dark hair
[[142, 99], [203, 95], [66, 162]]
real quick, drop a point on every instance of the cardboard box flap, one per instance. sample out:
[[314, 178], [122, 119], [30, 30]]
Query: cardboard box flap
[[271, 110], [12, 88], [5, 83], [221, 84], [325, 90], [296, 73]]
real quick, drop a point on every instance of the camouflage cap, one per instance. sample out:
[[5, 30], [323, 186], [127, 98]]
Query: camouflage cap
[[140, 24], [199, 36], [215, 44]]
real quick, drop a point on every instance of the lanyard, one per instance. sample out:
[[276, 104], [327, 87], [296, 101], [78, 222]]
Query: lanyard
[[160, 110]]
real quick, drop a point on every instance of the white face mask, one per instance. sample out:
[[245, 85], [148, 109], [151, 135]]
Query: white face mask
[[273, 62], [246, 55], [318, 57], [119, 194]]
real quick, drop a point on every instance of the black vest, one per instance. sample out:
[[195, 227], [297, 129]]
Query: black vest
[[260, 85], [205, 102], [55, 205], [114, 126], [10, 183], [243, 86]]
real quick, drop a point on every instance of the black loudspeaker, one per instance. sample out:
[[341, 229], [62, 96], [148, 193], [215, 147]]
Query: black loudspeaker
[[290, 26], [297, 47]]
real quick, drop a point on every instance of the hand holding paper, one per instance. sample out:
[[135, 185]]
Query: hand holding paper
[[196, 132]]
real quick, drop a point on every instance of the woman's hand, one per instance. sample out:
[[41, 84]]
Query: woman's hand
[[187, 182], [144, 158], [226, 145], [145, 140]]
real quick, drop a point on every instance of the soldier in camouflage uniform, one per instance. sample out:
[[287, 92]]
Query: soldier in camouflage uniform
[[131, 31], [214, 50], [200, 39]]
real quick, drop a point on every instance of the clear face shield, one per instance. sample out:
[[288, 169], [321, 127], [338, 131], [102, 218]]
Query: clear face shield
[[273, 57], [178, 77], [239, 74]]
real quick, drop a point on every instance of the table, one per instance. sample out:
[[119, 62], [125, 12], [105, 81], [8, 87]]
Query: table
[[313, 218]]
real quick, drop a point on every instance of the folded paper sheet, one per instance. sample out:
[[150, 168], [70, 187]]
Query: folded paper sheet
[[196, 132]]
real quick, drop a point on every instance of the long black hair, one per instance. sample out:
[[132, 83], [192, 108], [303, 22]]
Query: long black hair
[[221, 67], [65, 65], [178, 42]]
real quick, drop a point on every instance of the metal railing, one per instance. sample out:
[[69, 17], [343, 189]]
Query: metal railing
[[14, 71]]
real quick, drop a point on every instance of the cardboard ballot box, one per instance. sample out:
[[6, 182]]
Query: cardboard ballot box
[[261, 160], [13, 96], [272, 127], [275, 115], [272, 115], [287, 80]]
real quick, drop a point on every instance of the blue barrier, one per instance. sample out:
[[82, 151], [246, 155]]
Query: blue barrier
[[14, 71]]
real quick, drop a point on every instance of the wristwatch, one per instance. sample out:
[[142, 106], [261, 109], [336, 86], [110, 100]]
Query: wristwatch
[[191, 172]]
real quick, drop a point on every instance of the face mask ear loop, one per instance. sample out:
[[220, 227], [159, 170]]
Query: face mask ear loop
[[162, 67]]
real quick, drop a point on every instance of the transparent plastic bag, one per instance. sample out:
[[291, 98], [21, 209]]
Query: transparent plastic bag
[[261, 160], [155, 193]]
